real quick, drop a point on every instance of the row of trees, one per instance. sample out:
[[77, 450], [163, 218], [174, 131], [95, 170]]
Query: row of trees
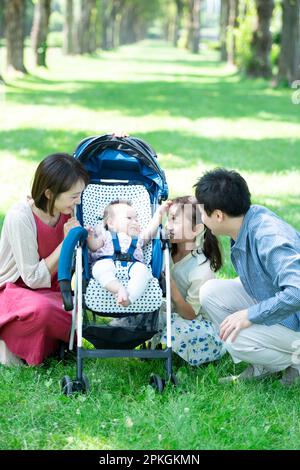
[[246, 38], [88, 25], [245, 34]]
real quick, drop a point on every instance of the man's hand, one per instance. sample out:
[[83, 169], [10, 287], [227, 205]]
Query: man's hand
[[233, 324]]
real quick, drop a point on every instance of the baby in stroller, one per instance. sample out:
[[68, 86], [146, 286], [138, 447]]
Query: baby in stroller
[[120, 232]]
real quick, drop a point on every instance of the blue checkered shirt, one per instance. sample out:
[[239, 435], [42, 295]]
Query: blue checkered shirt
[[266, 256]]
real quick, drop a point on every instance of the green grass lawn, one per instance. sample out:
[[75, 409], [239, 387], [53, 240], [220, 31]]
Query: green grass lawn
[[197, 114]]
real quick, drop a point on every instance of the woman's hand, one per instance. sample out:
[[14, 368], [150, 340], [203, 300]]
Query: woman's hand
[[71, 223]]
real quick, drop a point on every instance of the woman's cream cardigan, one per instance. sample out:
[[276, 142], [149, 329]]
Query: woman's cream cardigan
[[19, 249]]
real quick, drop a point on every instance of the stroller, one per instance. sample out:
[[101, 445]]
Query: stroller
[[119, 168]]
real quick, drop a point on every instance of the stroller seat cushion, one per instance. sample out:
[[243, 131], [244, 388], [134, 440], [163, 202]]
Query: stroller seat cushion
[[100, 300], [95, 198]]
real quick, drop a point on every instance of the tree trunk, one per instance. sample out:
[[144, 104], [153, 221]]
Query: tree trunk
[[111, 24], [260, 65], [93, 28], [14, 32], [224, 21], [68, 45], [232, 25], [128, 27], [2, 3], [105, 24], [178, 21], [289, 60], [194, 26], [85, 27], [40, 31]]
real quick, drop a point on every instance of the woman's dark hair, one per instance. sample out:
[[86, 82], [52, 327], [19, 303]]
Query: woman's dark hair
[[225, 190], [57, 172], [211, 248]]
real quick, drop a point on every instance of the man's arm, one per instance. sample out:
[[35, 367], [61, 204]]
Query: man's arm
[[283, 264]]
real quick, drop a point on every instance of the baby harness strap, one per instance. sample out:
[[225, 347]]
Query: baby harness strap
[[118, 255]]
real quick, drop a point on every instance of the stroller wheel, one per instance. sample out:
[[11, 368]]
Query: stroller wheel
[[85, 383], [66, 385], [173, 380], [157, 382]]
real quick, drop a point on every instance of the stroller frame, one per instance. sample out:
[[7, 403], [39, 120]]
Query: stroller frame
[[74, 244]]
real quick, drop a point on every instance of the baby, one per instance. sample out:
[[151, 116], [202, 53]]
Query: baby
[[120, 229]]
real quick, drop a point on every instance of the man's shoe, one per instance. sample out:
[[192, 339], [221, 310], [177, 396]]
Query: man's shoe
[[252, 372], [290, 376]]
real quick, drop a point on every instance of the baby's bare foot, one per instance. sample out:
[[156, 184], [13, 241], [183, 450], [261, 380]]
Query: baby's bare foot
[[122, 297]]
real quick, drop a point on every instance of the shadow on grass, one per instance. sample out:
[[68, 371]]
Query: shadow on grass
[[179, 149], [189, 99], [257, 156], [35, 144]]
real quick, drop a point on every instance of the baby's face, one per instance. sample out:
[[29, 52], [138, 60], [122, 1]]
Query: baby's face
[[124, 219]]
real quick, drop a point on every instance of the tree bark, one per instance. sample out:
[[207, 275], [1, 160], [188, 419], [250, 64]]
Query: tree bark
[[40, 31], [289, 60], [2, 3], [232, 25], [178, 21], [129, 24], [14, 32], [224, 21], [105, 24], [68, 44], [260, 65], [194, 26]]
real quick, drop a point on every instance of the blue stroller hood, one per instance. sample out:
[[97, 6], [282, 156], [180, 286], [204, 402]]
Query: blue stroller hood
[[124, 159]]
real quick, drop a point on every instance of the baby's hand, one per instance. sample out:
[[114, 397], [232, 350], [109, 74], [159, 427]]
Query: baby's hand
[[90, 231], [94, 242], [165, 207], [119, 134]]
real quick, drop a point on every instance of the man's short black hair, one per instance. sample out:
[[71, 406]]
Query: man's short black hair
[[225, 190]]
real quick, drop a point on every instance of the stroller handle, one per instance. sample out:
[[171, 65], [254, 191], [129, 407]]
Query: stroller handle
[[76, 235]]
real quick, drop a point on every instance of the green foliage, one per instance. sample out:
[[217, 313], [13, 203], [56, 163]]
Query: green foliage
[[55, 39], [275, 53], [56, 21], [243, 34]]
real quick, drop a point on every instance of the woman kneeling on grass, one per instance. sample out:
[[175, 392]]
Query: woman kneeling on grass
[[32, 319], [195, 257]]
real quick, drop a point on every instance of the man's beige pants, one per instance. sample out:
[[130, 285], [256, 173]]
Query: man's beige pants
[[274, 347]]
